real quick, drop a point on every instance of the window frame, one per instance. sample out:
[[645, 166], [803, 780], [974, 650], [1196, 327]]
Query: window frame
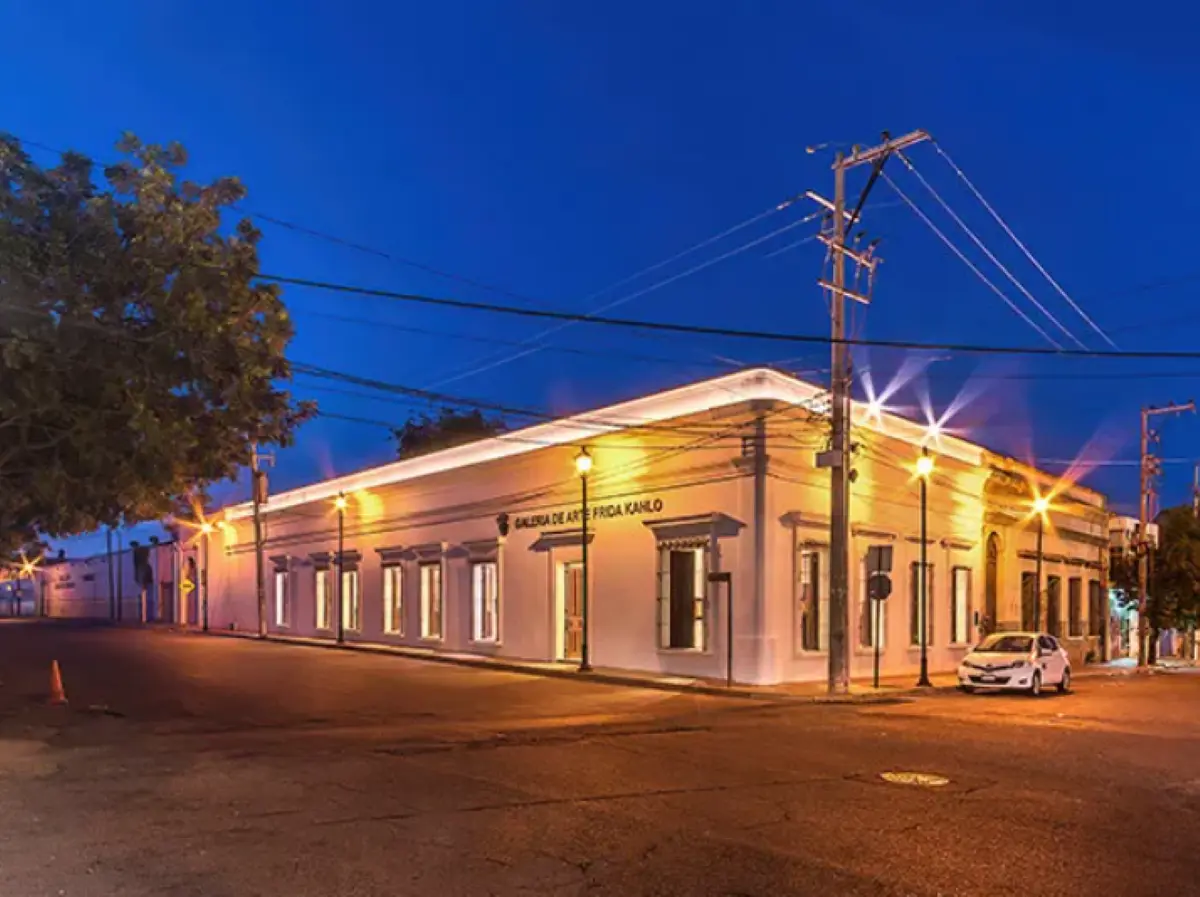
[[1097, 609], [700, 602], [810, 594], [350, 606], [867, 609], [428, 601], [960, 613], [914, 605], [282, 598], [1054, 584], [477, 602], [324, 607], [1075, 627], [393, 594]]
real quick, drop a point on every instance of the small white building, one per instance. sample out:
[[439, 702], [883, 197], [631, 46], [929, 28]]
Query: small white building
[[480, 548]]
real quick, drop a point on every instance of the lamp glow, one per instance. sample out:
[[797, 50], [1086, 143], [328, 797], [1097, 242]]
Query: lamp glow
[[340, 502], [583, 463], [924, 466], [206, 528], [1041, 505]]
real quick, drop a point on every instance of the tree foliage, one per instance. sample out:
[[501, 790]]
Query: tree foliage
[[138, 356], [1173, 593], [425, 433]]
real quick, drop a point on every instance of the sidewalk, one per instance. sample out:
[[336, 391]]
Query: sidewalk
[[862, 691]]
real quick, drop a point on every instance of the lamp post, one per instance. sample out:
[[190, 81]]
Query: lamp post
[[1040, 506], [583, 466], [205, 532], [340, 504], [924, 469]]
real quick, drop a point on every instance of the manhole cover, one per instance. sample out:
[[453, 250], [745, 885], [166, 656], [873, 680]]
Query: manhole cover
[[921, 779]]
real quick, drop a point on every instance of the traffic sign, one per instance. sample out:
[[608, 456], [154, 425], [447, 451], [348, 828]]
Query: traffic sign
[[879, 586], [186, 586]]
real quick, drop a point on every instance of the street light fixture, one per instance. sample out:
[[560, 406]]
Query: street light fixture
[[1041, 505], [583, 466], [924, 471], [339, 504]]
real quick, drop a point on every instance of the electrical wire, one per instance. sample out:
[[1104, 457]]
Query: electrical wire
[[966, 261], [732, 333], [1029, 255], [533, 341], [322, 235], [995, 261]]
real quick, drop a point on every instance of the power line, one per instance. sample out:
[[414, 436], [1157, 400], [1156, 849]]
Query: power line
[[978, 242], [328, 237], [732, 333], [490, 340], [966, 261], [532, 341], [1029, 255]]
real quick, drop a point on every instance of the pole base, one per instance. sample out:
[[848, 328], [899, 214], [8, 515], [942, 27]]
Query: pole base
[[584, 668]]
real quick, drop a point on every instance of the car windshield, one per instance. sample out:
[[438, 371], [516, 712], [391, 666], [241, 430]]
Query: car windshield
[[1007, 644]]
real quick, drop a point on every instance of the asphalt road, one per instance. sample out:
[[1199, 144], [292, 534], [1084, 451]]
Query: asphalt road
[[190, 765]]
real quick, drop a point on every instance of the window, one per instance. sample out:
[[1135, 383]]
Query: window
[[808, 601], [960, 605], [431, 601], [915, 610], [282, 611], [351, 606], [1075, 607], [682, 596], [1029, 601], [1054, 605], [324, 598], [1096, 614], [485, 601], [872, 616], [393, 599]]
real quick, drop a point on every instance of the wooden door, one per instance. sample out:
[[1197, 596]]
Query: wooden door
[[572, 611]]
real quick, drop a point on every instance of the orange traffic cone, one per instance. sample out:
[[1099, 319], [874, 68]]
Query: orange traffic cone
[[57, 694]]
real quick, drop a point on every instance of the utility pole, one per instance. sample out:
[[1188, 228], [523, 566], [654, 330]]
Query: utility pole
[[258, 489], [838, 456], [1148, 470], [1196, 490]]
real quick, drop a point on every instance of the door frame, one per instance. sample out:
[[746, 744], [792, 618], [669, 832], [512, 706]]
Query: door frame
[[561, 572]]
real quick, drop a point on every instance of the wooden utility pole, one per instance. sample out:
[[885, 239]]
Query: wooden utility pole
[[258, 490], [838, 456], [1148, 470]]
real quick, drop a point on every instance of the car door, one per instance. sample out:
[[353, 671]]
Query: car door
[[1050, 659]]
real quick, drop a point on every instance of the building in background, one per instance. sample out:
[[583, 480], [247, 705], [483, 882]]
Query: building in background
[[479, 548], [143, 586]]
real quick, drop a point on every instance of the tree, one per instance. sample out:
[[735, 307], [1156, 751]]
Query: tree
[[139, 357], [423, 434], [1173, 593]]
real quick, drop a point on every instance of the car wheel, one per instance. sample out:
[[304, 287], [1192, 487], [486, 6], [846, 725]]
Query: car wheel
[[966, 689], [1035, 684], [1065, 685]]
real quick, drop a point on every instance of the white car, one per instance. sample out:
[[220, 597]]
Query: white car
[[1016, 661]]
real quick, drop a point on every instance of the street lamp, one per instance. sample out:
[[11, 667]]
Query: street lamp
[[340, 504], [924, 470], [1041, 504], [583, 466], [206, 530]]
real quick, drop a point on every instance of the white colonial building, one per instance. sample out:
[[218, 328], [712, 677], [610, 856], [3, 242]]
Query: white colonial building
[[480, 548]]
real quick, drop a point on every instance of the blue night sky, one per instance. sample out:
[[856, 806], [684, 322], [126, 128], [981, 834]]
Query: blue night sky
[[552, 149]]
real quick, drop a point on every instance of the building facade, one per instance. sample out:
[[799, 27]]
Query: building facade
[[135, 584], [480, 548]]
